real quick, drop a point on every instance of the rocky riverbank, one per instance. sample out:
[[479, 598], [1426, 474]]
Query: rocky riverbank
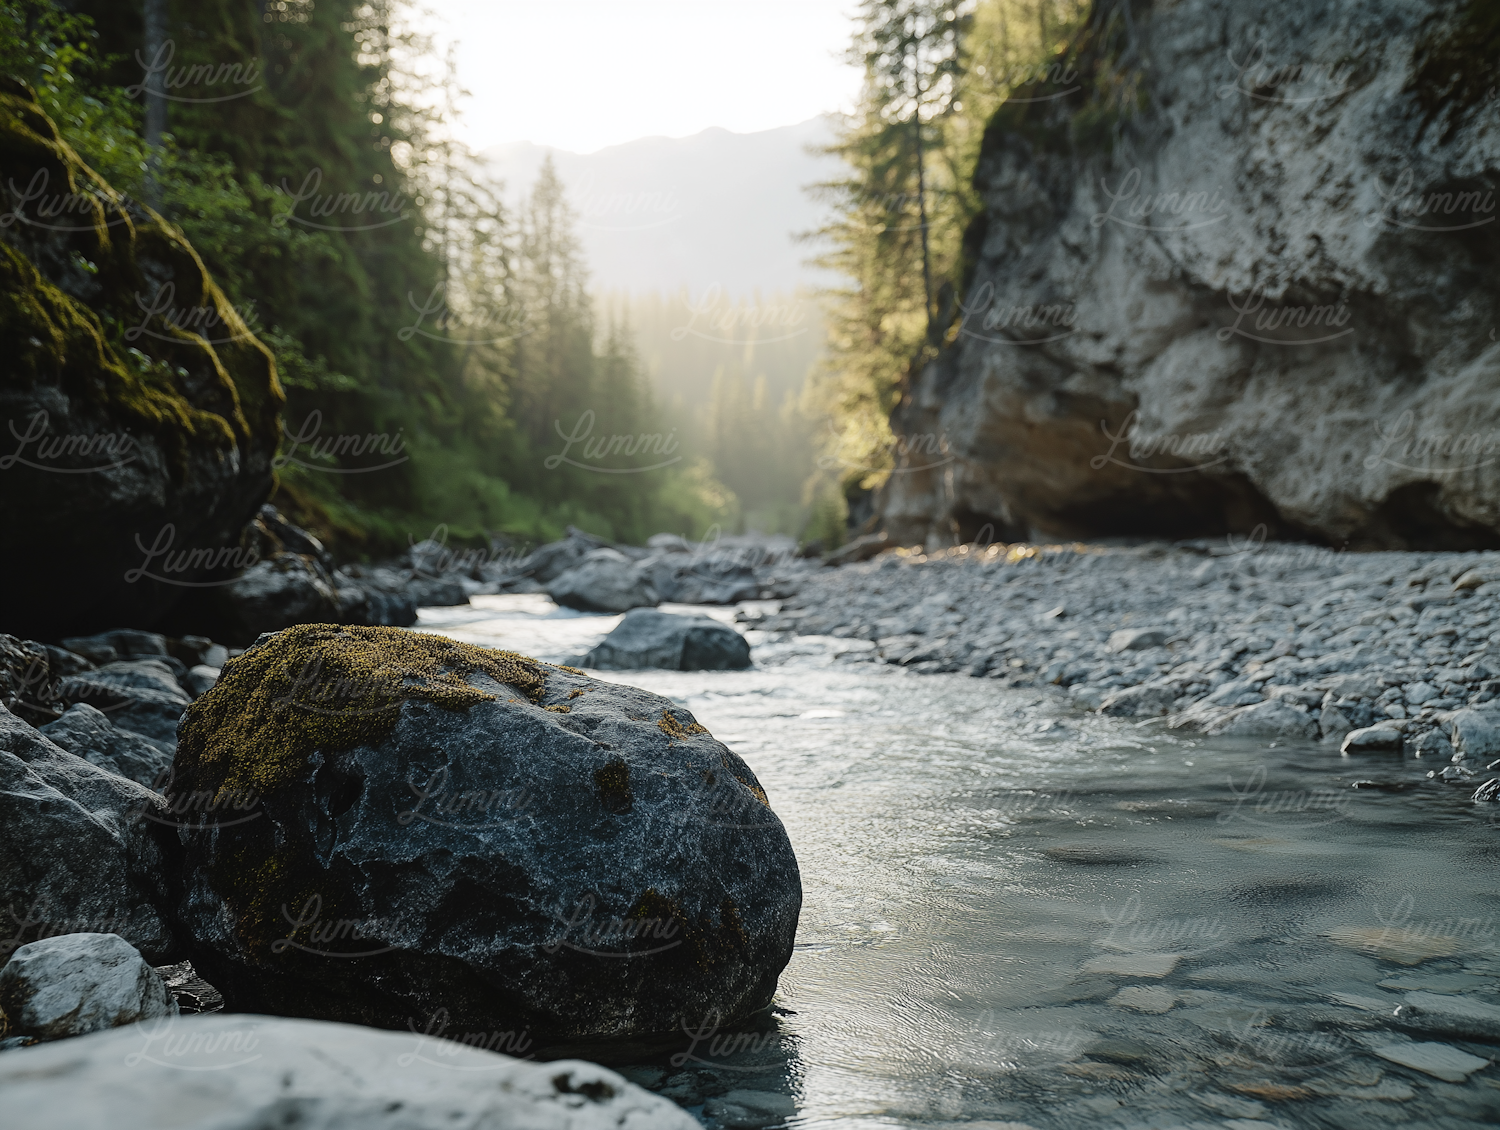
[[1391, 650]]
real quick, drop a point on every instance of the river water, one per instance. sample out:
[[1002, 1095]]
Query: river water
[[1019, 915]]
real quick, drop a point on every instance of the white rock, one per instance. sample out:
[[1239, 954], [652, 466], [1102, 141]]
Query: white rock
[[76, 983], [1371, 739], [1437, 1060], [214, 1070]]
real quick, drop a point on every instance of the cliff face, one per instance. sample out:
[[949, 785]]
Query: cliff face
[[140, 414], [1238, 265]]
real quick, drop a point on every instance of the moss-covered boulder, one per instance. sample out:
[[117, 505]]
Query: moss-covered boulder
[[138, 414], [461, 839]]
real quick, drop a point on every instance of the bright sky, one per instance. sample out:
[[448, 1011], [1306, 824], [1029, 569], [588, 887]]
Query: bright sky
[[583, 74]]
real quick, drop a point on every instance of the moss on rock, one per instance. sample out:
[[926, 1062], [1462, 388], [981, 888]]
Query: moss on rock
[[324, 686]]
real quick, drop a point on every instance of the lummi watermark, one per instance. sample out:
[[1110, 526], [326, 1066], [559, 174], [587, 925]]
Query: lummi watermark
[[905, 453], [611, 209], [467, 325], [651, 451], [36, 207], [1162, 211], [204, 321], [228, 81], [983, 316], [1194, 451], [332, 937], [638, 933], [363, 211], [162, 561], [1252, 802], [42, 919], [437, 1046], [436, 801], [60, 454], [1132, 930], [712, 317], [1401, 444], [1285, 82], [1431, 210], [323, 450], [1285, 323], [746, 1051], [169, 1041]]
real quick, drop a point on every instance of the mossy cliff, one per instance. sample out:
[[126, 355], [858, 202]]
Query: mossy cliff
[[142, 413]]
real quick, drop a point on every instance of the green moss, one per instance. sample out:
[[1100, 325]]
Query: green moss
[[706, 943], [612, 785], [323, 686], [673, 728]]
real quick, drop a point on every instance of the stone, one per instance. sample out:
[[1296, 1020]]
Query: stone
[[141, 695], [1333, 724], [29, 676], [1438, 1060], [700, 578], [548, 562], [1150, 700], [1271, 719], [646, 638], [419, 797], [1133, 964], [77, 849], [74, 984], [201, 678], [605, 580], [88, 733], [173, 467], [122, 643], [1372, 739], [1137, 639], [1475, 733], [1489, 792], [1432, 743], [1451, 1015], [1145, 998], [1418, 693], [247, 1070]]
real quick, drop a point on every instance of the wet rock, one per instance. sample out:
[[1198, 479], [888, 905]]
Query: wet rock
[[1137, 639], [29, 674], [140, 695], [417, 837], [247, 1070], [1145, 998], [78, 983], [88, 733], [700, 578], [1438, 1060], [122, 643], [1372, 739], [1475, 734], [646, 638], [1133, 964], [1272, 719], [1150, 700], [551, 561], [77, 852], [605, 580], [201, 678], [1451, 1015]]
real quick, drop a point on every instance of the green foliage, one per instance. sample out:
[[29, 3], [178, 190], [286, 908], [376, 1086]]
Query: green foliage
[[306, 157]]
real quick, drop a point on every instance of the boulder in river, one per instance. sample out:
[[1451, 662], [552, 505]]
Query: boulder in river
[[73, 984], [248, 1071], [605, 580], [648, 638], [457, 830], [77, 851]]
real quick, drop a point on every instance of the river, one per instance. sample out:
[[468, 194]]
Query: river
[[1020, 915]]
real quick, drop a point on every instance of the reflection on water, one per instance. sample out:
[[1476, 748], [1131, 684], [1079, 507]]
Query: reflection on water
[[1017, 914]]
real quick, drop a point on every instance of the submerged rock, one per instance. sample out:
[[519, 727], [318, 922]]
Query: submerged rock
[[459, 830], [78, 983], [268, 1071], [76, 848], [647, 638]]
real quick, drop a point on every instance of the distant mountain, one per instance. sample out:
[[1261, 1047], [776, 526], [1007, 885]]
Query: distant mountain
[[715, 209]]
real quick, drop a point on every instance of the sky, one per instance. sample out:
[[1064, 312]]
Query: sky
[[584, 74]]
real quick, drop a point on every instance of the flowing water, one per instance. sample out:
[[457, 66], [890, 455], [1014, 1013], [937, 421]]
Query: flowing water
[[1018, 914]]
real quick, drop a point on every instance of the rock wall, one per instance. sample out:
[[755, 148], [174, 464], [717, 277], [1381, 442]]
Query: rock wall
[[140, 415], [1237, 266]]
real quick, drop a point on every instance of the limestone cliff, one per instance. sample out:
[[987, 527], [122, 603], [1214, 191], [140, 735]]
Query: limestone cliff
[[1237, 265]]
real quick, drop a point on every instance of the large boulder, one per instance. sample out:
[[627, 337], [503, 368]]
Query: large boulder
[[605, 580], [1213, 232], [77, 846], [648, 638], [210, 1071], [454, 828], [139, 451], [74, 984]]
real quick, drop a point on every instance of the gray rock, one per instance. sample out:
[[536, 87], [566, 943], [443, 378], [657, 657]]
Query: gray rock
[[648, 638], [1334, 724], [1432, 743], [1418, 693], [261, 1071], [700, 578], [142, 696], [1372, 739], [201, 678], [425, 855], [1137, 639], [107, 647], [74, 984], [1475, 733], [76, 849], [1450, 1014], [551, 561], [1150, 700], [604, 581], [87, 733], [1354, 686], [1270, 719]]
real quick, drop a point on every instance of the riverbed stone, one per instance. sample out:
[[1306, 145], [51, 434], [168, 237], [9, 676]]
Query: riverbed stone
[[1372, 739], [477, 832], [605, 580], [88, 733], [1438, 1060], [1475, 733], [73, 984], [647, 638], [222, 1069], [1271, 719]]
